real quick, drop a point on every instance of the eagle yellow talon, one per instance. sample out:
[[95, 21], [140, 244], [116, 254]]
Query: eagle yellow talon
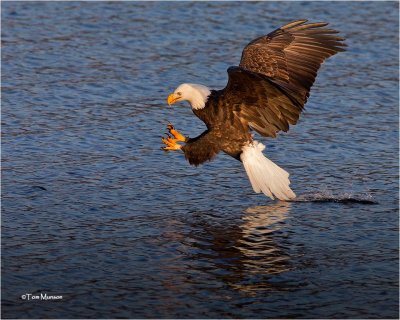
[[169, 141], [172, 148], [177, 135], [170, 144], [173, 136]]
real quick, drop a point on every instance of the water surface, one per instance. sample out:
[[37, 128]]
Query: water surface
[[94, 211]]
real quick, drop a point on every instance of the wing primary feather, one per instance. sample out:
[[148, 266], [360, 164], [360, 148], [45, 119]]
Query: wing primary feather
[[292, 24], [309, 26], [272, 83]]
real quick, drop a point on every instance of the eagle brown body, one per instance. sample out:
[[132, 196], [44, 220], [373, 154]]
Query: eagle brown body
[[229, 135], [265, 93]]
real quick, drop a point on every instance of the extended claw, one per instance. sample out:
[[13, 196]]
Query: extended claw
[[177, 135], [169, 141], [172, 137], [170, 144]]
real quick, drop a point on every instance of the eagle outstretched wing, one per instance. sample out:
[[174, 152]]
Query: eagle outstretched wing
[[275, 74]]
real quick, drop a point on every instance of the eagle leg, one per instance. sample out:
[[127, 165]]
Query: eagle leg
[[177, 135]]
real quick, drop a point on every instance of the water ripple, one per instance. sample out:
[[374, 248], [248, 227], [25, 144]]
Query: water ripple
[[93, 210]]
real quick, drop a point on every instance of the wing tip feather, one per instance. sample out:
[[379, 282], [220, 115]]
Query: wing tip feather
[[293, 23]]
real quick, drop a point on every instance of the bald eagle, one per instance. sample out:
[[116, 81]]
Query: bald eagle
[[265, 93]]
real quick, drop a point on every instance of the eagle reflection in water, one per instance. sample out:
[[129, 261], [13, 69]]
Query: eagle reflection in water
[[248, 255]]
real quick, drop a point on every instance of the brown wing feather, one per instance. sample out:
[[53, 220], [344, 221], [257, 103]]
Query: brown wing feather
[[276, 71], [260, 103], [292, 54]]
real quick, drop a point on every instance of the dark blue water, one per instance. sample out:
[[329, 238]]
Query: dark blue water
[[94, 211]]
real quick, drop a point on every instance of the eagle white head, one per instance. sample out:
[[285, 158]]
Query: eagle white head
[[196, 94]]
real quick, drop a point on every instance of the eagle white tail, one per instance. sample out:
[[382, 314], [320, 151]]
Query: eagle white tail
[[264, 175]]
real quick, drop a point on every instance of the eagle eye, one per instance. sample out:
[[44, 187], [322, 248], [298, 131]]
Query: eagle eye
[[179, 93]]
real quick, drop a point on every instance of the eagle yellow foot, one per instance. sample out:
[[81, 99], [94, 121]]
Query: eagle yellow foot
[[176, 134], [172, 138], [170, 144]]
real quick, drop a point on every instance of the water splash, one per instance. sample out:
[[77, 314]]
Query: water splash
[[328, 196]]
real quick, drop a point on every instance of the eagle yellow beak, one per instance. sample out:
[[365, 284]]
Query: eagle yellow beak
[[172, 98]]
